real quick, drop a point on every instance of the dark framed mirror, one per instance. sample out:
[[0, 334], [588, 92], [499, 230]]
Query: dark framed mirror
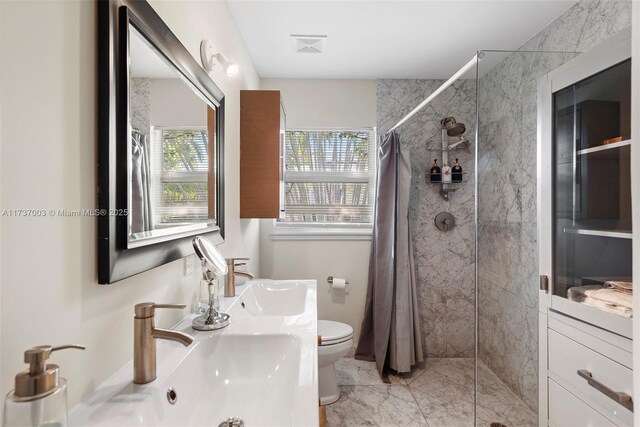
[[161, 144]]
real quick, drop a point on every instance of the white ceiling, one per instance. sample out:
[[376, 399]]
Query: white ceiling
[[385, 39]]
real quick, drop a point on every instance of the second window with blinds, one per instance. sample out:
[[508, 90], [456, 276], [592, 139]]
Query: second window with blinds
[[329, 179]]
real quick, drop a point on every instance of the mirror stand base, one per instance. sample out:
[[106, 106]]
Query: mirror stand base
[[210, 322]]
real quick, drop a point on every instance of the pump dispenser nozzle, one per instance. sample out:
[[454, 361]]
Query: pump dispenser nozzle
[[39, 378], [40, 395]]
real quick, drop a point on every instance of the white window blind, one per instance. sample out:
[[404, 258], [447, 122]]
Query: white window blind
[[181, 165], [329, 176]]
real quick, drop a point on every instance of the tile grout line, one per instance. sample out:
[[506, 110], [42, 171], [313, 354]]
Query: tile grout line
[[406, 386], [418, 405], [513, 393]]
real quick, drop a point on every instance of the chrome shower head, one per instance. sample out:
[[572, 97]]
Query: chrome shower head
[[453, 128]]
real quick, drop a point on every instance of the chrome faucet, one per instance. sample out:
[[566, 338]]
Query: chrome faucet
[[144, 343], [230, 280]]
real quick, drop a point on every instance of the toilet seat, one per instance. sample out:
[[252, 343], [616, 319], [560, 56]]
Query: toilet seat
[[333, 332]]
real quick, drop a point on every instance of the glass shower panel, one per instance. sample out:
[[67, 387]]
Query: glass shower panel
[[506, 230]]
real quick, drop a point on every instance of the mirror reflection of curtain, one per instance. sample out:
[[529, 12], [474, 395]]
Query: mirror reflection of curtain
[[211, 158], [141, 218]]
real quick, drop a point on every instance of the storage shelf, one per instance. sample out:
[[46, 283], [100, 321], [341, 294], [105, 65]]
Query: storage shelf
[[464, 179], [604, 147], [600, 233], [447, 187], [447, 183], [438, 147], [591, 315], [458, 148]]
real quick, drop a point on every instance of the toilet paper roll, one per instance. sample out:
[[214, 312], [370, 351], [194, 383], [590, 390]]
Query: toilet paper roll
[[338, 283]]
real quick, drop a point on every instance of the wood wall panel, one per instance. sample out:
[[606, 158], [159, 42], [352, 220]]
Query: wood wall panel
[[259, 154]]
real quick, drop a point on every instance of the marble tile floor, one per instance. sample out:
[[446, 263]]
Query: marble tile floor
[[439, 395]]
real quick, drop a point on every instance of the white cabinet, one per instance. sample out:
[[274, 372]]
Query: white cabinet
[[584, 237], [593, 370], [566, 410]]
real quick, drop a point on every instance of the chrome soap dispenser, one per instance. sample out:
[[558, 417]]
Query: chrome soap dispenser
[[40, 394]]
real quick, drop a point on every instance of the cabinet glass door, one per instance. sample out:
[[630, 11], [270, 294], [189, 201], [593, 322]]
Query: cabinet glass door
[[592, 191]]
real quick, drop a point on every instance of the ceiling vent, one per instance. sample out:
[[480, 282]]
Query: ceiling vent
[[308, 44]]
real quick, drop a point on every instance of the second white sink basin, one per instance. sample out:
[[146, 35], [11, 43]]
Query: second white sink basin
[[275, 298], [242, 370]]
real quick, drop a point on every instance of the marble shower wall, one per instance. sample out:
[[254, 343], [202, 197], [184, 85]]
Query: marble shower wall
[[141, 104], [445, 262], [507, 242]]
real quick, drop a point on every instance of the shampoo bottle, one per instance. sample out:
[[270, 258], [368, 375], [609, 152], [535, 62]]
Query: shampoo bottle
[[446, 172], [456, 172], [436, 175]]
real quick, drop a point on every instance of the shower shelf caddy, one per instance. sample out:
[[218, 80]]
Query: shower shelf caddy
[[448, 187]]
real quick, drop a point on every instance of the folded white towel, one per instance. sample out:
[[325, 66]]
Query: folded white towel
[[601, 293], [608, 307], [619, 286]]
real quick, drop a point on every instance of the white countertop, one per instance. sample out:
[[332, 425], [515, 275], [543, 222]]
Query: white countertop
[[262, 368]]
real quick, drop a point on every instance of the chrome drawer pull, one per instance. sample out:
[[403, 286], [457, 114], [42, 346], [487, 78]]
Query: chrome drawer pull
[[622, 398]]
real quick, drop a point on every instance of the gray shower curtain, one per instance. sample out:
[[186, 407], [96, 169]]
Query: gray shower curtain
[[391, 327], [141, 216]]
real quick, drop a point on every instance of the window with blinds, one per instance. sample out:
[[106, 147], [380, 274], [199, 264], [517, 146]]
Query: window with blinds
[[182, 159], [329, 176]]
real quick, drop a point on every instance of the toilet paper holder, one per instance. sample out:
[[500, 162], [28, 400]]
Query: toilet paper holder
[[330, 281]]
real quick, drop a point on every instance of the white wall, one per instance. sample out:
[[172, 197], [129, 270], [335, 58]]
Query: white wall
[[48, 131], [323, 104], [326, 103], [1, 168], [173, 103]]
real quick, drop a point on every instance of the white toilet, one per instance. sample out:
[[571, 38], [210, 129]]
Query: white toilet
[[335, 341]]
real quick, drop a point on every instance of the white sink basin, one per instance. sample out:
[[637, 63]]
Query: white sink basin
[[243, 369], [263, 370], [275, 298]]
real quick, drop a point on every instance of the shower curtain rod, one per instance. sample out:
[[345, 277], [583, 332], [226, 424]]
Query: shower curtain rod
[[438, 91]]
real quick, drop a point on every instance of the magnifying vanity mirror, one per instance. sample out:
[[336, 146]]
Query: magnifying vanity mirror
[[161, 135], [214, 266]]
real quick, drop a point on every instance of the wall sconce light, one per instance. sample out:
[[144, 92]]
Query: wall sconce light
[[209, 57]]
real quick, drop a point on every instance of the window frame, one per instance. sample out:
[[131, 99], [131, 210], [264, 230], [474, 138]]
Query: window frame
[[167, 177], [283, 230]]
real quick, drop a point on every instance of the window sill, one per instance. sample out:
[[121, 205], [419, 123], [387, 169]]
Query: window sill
[[289, 232]]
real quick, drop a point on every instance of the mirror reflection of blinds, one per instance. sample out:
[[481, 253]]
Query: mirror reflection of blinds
[[184, 150], [181, 165], [329, 176]]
